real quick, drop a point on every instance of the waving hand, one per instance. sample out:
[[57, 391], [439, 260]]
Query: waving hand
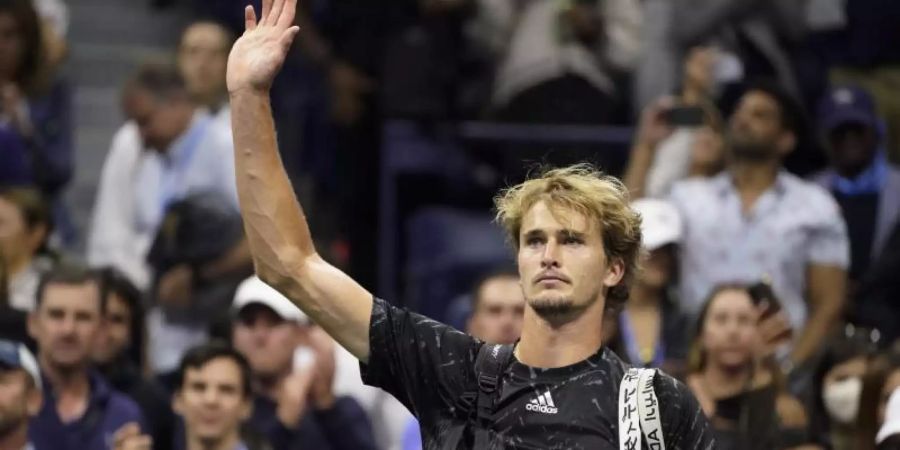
[[258, 55]]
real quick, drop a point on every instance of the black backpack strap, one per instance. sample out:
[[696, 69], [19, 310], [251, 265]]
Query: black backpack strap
[[490, 363]]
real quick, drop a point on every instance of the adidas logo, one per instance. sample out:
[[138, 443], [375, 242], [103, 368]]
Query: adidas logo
[[542, 404]]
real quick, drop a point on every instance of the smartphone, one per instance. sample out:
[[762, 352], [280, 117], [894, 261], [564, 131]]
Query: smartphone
[[304, 358], [762, 292], [686, 116]]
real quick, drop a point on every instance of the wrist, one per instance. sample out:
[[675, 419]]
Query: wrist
[[248, 91]]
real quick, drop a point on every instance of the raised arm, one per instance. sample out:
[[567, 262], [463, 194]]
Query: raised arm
[[283, 252]]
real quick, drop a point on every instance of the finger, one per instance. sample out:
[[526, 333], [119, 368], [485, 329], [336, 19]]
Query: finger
[[287, 15], [266, 9], [125, 432], [275, 15], [288, 37], [249, 18]]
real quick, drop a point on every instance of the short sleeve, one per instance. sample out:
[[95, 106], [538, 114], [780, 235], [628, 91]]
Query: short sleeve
[[425, 364], [684, 423], [828, 242]]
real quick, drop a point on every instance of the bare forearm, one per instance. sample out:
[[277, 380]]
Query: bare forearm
[[635, 177], [278, 234], [823, 317]]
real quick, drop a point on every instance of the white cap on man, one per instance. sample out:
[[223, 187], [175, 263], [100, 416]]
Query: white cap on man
[[254, 291], [661, 223], [15, 355]]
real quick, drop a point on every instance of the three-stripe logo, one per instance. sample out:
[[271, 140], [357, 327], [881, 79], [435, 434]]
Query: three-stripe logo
[[542, 404]]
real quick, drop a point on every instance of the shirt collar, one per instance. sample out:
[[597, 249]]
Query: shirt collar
[[724, 183], [869, 181], [182, 145]]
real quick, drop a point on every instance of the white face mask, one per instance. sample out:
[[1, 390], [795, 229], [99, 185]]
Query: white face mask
[[842, 400]]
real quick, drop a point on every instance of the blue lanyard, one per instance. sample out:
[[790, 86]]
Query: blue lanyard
[[631, 345], [175, 177]]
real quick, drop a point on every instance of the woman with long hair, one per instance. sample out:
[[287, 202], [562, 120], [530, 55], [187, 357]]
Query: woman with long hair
[[737, 386]]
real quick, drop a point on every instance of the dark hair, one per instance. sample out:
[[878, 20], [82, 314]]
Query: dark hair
[[201, 355], [850, 344], [499, 272], [114, 282], [792, 116], [68, 274], [892, 442], [29, 28], [34, 208], [162, 79]]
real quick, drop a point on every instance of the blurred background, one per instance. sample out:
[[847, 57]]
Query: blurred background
[[760, 140]]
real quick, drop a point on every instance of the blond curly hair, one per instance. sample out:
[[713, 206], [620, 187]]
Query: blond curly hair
[[585, 190]]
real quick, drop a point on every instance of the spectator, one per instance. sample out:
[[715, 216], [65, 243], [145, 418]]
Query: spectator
[[736, 389], [732, 220], [25, 225], [118, 353], [670, 147], [213, 397], [859, 45], [54, 16], [498, 306], [755, 39], [837, 385], [294, 403], [176, 153], [181, 165], [20, 394], [881, 379], [557, 63], [81, 410], [36, 130], [867, 187], [651, 329], [202, 59]]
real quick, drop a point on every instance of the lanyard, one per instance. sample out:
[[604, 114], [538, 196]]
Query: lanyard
[[631, 345], [174, 176]]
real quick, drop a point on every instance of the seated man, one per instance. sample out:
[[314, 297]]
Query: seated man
[[293, 368], [20, 394], [213, 397], [181, 153], [80, 410], [498, 307]]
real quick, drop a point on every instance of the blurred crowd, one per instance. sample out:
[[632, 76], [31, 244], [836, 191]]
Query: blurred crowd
[[763, 159]]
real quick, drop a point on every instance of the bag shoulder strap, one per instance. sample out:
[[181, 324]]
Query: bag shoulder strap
[[490, 363], [639, 412]]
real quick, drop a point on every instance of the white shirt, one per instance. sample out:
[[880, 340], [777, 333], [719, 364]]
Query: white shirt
[[527, 35], [793, 225], [137, 184]]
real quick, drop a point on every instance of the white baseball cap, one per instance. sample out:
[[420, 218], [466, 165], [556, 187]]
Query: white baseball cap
[[660, 222], [15, 355], [891, 424], [255, 291]]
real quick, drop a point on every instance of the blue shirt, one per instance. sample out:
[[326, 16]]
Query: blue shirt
[[107, 411]]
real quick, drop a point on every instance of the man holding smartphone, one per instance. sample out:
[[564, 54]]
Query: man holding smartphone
[[294, 404]]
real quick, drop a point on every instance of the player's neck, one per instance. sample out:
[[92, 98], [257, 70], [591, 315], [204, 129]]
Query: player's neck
[[545, 345]]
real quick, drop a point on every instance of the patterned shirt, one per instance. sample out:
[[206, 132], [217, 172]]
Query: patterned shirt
[[428, 366], [793, 225]]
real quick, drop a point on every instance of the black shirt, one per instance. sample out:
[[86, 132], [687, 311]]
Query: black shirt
[[428, 365]]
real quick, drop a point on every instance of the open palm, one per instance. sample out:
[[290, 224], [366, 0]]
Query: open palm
[[258, 55]]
